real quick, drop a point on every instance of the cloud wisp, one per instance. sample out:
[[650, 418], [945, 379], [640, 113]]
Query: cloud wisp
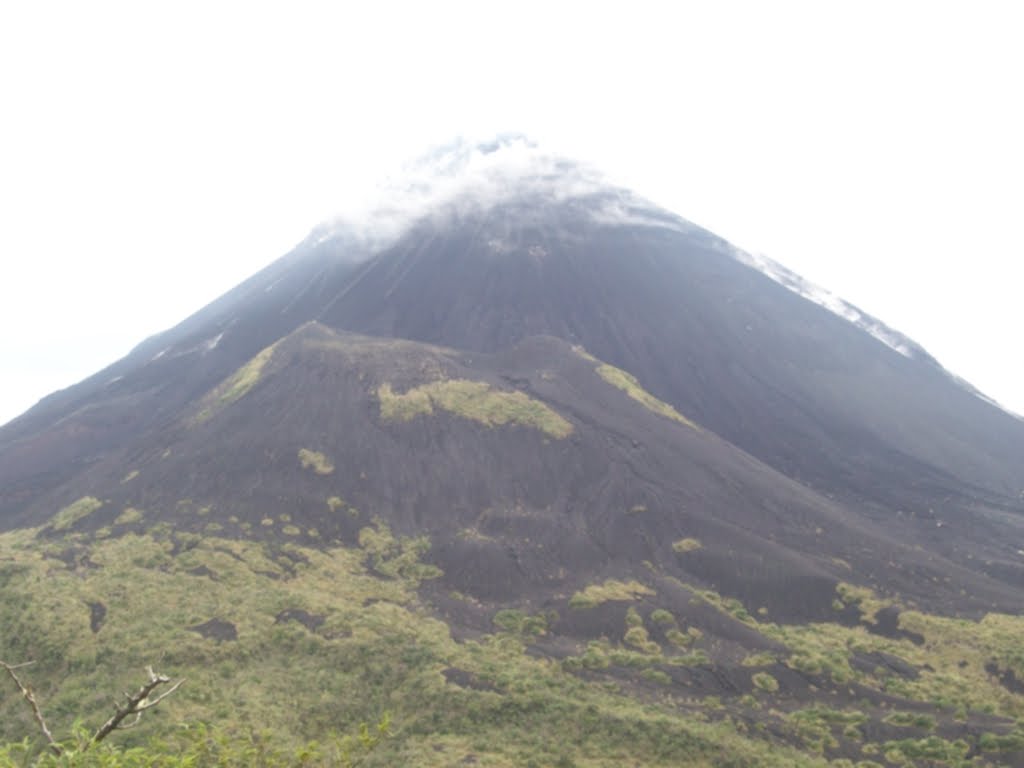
[[466, 177]]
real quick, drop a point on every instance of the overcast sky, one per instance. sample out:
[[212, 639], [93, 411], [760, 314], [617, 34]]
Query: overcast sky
[[152, 155]]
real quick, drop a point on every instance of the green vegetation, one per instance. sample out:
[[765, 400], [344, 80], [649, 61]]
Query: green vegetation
[[521, 623], [312, 641], [324, 639], [861, 597], [236, 386], [204, 746], [928, 751], [397, 558], [765, 682], [628, 384], [910, 720], [74, 512], [129, 516], [474, 400], [1009, 742], [611, 589], [636, 634], [580, 350], [686, 545], [663, 618], [316, 461]]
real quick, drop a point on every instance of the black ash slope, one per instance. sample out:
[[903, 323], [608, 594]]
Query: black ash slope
[[858, 452], [513, 512]]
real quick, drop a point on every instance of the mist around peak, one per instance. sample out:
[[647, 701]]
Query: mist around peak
[[468, 176]]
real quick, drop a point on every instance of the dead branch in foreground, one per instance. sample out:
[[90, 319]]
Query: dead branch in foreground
[[134, 704], [31, 699]]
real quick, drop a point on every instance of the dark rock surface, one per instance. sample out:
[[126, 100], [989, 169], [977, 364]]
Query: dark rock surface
[[822, 454]]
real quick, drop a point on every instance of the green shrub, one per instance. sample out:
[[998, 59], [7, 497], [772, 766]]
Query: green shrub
[[663, 618], [74, 512], [765, 682]]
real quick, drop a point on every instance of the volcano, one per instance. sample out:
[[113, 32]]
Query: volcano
[[580, 406]]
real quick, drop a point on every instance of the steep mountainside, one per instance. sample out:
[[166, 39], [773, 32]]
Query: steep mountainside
[[533, 423]]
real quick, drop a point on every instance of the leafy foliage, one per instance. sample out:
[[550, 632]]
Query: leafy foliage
[[323, 639]]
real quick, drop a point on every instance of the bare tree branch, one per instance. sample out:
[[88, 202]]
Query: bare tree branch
[[30, 697], [135, 704]]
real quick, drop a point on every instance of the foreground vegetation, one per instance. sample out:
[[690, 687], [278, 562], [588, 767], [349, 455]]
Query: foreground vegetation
[[293, 655]]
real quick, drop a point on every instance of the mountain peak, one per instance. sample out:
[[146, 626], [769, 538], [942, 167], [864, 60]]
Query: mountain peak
[[469, 177]]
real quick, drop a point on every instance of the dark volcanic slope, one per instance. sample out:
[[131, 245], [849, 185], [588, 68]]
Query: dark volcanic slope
[[785, 379], [858, 438], [72, 428], [598, 485]]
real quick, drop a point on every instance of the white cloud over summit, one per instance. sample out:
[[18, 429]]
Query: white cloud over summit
[[470, 175]]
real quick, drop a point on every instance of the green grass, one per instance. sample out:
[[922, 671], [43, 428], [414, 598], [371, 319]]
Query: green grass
[[280, 685], [910, 720], [317, 462], [235, 386], [129, 516], [764, 682], [381, 648], [611, 589], [75, 511], [628, 384], [474, 400], [686, 545]]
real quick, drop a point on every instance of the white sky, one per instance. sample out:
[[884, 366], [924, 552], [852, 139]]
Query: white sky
[[152, 155]]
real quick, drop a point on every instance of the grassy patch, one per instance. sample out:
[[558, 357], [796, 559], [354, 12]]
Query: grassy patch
[[663, 618], [74, 512], [282, 683], [404, 407], [235, 386], [520, 623], [910, 720], [316, 461], [130, 515], [764, 682], [686, 545], [628, 384], [612, 589], [474, 400], [863, 598]]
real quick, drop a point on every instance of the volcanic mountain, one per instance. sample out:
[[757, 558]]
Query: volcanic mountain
[[566, 403]]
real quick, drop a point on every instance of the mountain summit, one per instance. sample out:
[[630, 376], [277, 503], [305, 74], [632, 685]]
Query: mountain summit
[[575, 403], [485, 247]]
